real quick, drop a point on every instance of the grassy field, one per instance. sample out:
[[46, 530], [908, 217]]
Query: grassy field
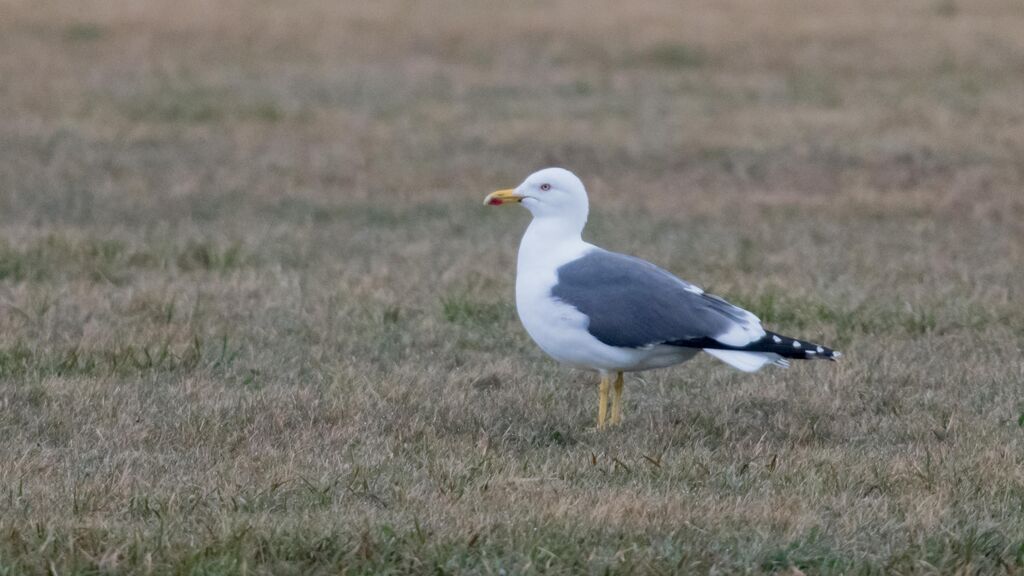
[[255, 319]]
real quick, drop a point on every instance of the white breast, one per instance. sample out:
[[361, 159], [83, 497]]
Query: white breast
[[560, 329]]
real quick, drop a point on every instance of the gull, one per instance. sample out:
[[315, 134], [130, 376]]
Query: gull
[[611, 313]]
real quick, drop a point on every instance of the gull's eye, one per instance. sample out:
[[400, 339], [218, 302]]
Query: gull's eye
[[545, 187]]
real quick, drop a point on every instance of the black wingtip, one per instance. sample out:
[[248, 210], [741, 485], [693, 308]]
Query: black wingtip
[[796, 349], [784, 346]]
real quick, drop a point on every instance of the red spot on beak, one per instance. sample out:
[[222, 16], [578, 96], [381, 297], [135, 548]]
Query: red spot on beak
[[495, 202]]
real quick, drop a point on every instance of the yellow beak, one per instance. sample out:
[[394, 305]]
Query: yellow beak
[[501, 196]]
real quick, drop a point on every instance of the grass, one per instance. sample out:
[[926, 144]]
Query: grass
[[254, 319]]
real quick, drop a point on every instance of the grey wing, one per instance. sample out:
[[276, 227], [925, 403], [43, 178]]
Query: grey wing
[[632, 303]]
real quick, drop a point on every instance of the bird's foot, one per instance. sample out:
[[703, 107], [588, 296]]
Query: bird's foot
[[602, 402], [617, 401]]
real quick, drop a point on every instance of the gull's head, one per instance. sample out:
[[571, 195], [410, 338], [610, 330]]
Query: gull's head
[[551, 192]]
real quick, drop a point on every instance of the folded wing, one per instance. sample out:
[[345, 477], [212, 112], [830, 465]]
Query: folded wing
[[632, 303]]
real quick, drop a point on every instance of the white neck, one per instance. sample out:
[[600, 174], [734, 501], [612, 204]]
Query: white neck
[[550, 242]]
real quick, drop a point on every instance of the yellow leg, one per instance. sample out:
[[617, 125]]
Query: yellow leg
[[602, 399], [617, 401]]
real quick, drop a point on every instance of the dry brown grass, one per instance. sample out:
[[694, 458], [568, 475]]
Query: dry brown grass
[[254, 319]]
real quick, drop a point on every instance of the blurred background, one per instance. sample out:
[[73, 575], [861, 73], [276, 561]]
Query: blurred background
[[248, 289]]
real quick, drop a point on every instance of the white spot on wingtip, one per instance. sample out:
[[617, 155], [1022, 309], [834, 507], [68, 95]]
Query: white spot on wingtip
[[796, 344], [776, 339], [820, 350]]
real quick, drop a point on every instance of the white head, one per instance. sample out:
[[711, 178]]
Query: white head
[[553, 193]]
